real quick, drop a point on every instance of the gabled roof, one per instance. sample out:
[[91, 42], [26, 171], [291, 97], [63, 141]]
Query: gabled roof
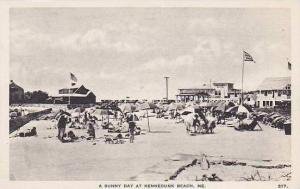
[[14, 85], [274, 83]]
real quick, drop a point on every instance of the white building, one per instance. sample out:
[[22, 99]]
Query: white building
[[273, 91], [216, 92]]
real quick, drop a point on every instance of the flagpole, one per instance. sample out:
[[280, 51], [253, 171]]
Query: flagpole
[[70, 94], [242, 99]]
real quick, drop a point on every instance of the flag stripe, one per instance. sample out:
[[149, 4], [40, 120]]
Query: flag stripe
[[248, 57]]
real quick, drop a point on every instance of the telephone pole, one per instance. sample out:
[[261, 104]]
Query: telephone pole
[[167, 96]]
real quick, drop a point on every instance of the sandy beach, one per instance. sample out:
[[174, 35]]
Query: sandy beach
[[44, 157]]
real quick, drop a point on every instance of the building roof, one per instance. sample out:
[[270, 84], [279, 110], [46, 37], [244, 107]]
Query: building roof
[[205, 87], [222, 83], [73, 95], [274, 83], [73, 87], [13, 85]]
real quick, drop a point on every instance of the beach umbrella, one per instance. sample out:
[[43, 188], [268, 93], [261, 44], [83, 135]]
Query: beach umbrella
[[62, 112], [127, 108], [176, 106], [242, 109], [237, 109], [147, 106], [262, 113], [278, 118], [221, 107], [187, 111], [102, 112], [275, 116], [77, 110]]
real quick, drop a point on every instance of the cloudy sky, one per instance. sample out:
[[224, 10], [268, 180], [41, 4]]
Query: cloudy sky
[[119, 52]]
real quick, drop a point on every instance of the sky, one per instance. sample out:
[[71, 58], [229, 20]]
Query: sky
[[127, 52]]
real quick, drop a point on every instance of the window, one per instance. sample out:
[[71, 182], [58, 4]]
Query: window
[[264, 103], [271, 103], [266, 93], [258, 103]]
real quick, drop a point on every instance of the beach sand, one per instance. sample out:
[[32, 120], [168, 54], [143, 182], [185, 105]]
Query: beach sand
[[45, 158]]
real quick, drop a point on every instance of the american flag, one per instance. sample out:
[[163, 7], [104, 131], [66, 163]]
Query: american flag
[[73, 79], [248, 57]]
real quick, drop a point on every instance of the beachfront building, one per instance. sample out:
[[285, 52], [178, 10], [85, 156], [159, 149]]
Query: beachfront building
[[210, 93], [16, 93], [273, 91], [195, 94], [226, 92], [74, 95]]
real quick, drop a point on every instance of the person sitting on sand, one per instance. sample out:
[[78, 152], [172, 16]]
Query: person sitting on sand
[[31, 132], [72, 136]]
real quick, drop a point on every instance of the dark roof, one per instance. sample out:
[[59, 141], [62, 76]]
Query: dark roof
[[222, 83], [13, 85], [274, 83]]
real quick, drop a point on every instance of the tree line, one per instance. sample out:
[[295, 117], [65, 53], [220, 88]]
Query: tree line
[[36, 97]]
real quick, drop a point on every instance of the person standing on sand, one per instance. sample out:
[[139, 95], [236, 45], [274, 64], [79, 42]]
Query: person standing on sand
[[131, 125], [85, 117], [61, 125], [196, 123]]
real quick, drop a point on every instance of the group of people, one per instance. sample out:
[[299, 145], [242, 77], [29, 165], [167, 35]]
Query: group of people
[[195, 125], [89, 122]]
